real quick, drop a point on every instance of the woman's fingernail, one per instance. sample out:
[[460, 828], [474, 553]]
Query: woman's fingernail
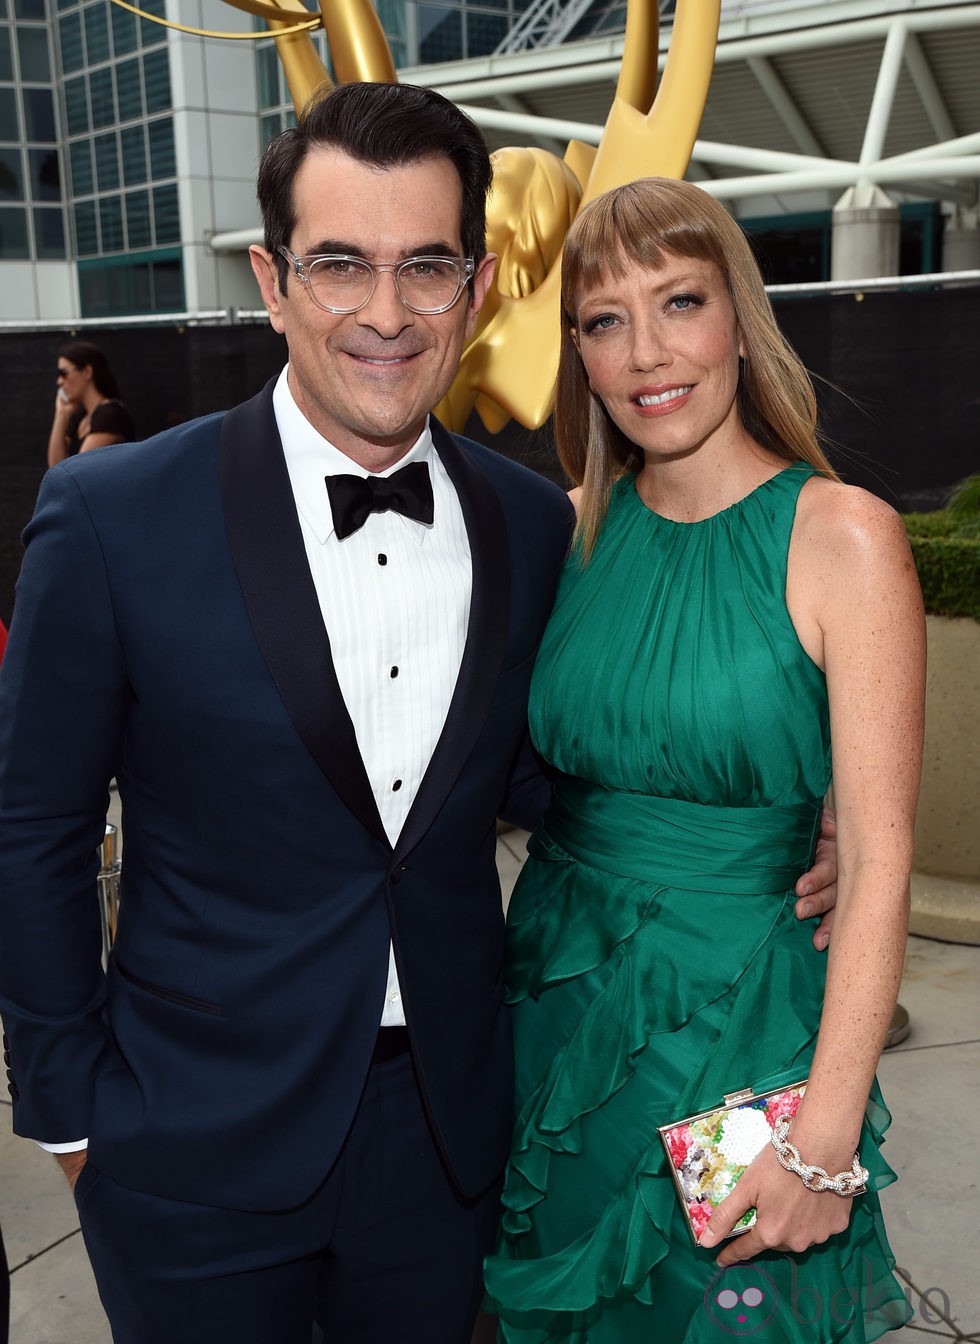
[[807, 909]]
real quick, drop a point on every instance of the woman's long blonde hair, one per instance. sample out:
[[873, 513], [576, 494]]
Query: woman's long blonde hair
[[642, 223]]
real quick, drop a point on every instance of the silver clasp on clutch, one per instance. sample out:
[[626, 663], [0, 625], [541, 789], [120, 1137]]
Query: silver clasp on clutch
[[736, 1098]]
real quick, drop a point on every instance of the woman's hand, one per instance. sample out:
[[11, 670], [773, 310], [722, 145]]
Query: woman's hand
[[789, 1217], [63, 407]]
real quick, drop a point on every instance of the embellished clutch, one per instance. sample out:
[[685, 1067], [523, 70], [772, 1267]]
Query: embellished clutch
[[709, 1152]]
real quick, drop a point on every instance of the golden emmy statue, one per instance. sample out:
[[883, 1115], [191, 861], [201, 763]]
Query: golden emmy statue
[[508, 368]]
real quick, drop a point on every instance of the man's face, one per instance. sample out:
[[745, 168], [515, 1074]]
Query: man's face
[[367, 380]]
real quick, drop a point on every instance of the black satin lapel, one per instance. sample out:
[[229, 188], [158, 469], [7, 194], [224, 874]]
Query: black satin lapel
[[485, 637], [280, 597]]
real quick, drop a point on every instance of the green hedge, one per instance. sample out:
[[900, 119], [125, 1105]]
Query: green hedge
[[946, 548]]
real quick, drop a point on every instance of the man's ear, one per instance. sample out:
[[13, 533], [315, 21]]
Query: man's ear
[[266, 273], [481, 285]]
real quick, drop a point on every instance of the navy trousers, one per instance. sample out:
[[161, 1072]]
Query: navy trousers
[[385, 1251]]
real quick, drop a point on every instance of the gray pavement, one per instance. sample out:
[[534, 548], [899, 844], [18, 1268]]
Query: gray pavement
[[931, 1082]]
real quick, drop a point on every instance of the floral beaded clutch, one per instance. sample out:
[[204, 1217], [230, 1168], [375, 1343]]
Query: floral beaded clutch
[[709, 1152]]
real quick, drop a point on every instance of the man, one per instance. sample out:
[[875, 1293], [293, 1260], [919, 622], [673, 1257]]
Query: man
[[295, 1082]]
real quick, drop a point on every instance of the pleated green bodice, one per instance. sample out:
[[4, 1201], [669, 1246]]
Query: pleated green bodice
[[670, 665]]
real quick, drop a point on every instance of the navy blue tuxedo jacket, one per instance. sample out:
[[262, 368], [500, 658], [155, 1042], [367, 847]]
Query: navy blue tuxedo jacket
[[167, 632]]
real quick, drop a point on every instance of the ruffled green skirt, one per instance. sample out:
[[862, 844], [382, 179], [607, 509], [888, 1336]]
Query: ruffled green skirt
[[634, 1005]]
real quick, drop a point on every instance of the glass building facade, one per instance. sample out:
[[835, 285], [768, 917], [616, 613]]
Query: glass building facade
[[33, 221], [90, 172], [122, 170]]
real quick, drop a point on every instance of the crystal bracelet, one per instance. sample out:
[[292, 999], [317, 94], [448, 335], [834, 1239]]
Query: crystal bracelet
[[846, 1183]]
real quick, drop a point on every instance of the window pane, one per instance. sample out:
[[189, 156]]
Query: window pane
[[29, 9], [124, 33], [152, 34], [162, 160], [110, 219], [76, 104], [82, 180], [166, 215], [6, 60], [484, 32], [269, 127], [129, 89], [117, 282], [107, 161], [9, 129], [32, 47], [267, 61], [138, 219], [92, 285], [86, 230], [49, 234], [156, 73], [103, 99], [97, 32], [11, 174], [39, 115], [72, 54], [13, 233], [168, 286], [45, 174], [140, 292], [443, 34], [133, 155]]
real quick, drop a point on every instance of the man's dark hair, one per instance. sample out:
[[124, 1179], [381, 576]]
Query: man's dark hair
[[388, 126]]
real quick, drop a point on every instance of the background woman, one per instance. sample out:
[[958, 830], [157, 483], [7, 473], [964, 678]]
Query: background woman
[[729, 612], [87, 410]]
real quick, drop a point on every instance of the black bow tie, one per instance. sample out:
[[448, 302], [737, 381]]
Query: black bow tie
[[407, 491]]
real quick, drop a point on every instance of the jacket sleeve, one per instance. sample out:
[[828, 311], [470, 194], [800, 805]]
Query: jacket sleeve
[[63, 698], [528, 790]]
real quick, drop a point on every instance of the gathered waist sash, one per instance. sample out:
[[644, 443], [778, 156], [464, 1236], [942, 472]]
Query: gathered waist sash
[[671, 842]]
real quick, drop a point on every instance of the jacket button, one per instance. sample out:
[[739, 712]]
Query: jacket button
[[397, 874]]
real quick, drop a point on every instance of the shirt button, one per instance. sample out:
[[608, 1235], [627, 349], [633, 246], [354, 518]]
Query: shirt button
[[382, 559], [396, 785], [395, 997], [393, 672]]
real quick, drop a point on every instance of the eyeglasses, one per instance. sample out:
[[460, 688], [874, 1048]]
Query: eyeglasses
[[343, 284], [64, 373]]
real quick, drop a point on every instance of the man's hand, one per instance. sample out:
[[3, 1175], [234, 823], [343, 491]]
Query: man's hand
[[817, 889], [71, 1164]]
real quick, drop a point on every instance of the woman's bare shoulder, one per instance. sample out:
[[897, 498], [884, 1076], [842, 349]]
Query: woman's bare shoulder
[[575, 495], [846, 520]]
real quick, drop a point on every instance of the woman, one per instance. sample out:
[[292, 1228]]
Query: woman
[[728, 603], [87, 410]]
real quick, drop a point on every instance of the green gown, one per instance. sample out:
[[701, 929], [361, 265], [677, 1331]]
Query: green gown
[[654, 960]]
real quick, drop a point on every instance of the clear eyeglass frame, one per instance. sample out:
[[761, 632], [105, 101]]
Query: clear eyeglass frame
[[302, 268]]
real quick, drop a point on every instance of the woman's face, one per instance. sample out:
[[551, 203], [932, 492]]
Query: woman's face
[[71, 379], [661, 350]]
